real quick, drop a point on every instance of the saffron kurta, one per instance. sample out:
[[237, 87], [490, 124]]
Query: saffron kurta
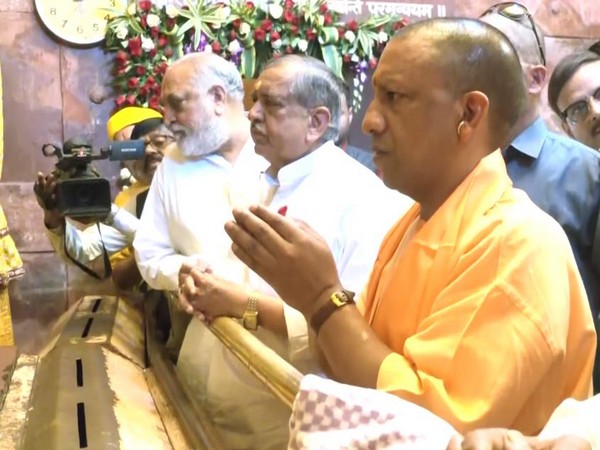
[[484, 309]]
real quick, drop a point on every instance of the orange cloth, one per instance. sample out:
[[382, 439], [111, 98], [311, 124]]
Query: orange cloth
[[485, 311]]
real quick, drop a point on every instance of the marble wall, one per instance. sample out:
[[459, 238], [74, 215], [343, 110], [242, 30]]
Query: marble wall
[[47, 86]]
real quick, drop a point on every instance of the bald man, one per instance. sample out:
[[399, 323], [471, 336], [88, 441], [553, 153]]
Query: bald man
[[475, 309], [560, 175]]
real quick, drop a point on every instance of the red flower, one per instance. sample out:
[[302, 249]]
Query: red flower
[[288, 16], [341, 31], [154, 102], [154, 32], [162, 41], [294, 29], [259, 34], [120, 100], [399, 25], [289, 50], [323, 8], [327, 20], [145, 5], [266, 25], [152, 53], [373, 63], [122, 58], [288, 4], [353, 25], [216, 47], [150, 81], [135, 46], [311, 34], [144, 90], [170, 23], [276, 55], [346, 58], [275, 35], [140, 70], [130, 100], [156, 89], [237, 23], [144, 22], [249, 5], [168, 52], [132, 83], [232, 35]]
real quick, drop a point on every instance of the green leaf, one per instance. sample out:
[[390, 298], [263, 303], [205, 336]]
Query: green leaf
[[248, 62], [332, 58]]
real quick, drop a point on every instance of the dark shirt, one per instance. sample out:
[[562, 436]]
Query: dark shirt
[[362, 156], [562, 177]]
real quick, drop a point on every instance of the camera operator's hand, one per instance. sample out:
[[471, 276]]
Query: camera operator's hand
[[45, 194]]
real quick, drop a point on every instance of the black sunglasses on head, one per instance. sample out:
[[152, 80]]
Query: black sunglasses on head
[[517, 12]]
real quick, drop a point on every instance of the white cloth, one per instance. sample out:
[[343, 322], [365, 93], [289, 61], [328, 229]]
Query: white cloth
[[576, 418], [351, 208], [85, 245], [185, 211], [329, 415]]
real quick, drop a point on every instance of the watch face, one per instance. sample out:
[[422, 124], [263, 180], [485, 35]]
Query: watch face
[[81, 22]]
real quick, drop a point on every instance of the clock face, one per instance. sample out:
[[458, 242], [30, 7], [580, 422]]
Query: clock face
[[81, 22]]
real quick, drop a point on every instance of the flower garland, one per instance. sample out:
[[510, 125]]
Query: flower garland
[[145, 37]]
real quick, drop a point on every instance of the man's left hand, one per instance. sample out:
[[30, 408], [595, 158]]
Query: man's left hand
[[287, 254]]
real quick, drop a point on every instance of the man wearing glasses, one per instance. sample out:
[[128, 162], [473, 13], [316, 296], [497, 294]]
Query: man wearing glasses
[[90, 247], [574, 95], [561, 175]]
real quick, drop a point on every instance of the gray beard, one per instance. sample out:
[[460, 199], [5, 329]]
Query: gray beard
[[207, 137]]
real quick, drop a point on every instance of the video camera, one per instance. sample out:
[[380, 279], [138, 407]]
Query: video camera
[[81, 192]]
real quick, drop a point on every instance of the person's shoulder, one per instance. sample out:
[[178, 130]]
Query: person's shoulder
[[571, 149]]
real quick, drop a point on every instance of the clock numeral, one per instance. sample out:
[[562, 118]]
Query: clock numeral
[[113, 2], [96, 27], [52, 11], [80, 29], [64, 23], [107, 17]]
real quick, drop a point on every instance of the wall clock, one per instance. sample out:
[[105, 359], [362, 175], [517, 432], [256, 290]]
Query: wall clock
[[80, 22]]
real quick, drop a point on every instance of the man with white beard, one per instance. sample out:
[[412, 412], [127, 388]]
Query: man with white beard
[[213, 169]]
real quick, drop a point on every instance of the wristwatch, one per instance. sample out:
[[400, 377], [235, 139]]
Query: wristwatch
[[250, 317], [337, 300]]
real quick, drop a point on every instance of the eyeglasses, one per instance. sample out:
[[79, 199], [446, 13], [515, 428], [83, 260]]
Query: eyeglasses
[[159, 141], [517, 13], [579, 110]]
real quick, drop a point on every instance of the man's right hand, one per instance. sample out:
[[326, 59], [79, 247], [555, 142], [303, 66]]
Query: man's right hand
[[45, 194]]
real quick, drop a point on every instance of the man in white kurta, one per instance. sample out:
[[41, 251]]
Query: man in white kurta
[[312, 180]]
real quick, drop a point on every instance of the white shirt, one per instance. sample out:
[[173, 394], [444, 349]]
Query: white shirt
[[86, 243], [576, 418], [187, 206], [352, 210]]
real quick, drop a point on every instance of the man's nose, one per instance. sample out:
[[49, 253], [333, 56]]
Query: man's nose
[[373, 122], [594, 106]]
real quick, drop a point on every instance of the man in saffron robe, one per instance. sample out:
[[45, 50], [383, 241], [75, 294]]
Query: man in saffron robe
[[475, 308]]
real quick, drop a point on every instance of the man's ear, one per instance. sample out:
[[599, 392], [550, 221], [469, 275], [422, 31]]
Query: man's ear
[[219, 97], [535, 79], [319, 120], [475, 106]]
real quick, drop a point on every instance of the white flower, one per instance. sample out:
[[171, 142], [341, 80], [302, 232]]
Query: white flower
[[275, 10], [277, 44], [207, 49], [122, 32], [131, 9], [147, 44], [153, 20], [382, 36], [244, 28], [234, 47], [171, 11], [349, 36], [302, 45], [224, 12], [354, 58]]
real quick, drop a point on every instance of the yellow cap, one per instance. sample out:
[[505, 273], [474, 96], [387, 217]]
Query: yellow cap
[[128, 116]]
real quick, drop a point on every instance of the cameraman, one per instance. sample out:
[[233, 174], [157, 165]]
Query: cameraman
[[91, 245]]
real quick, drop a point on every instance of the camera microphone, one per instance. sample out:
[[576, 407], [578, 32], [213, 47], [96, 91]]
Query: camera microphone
[[125, 150]]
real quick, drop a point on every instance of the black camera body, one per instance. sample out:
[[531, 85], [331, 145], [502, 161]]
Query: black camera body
[[81, 192]]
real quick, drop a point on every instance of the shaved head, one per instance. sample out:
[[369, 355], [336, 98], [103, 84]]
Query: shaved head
[[471, 55]]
